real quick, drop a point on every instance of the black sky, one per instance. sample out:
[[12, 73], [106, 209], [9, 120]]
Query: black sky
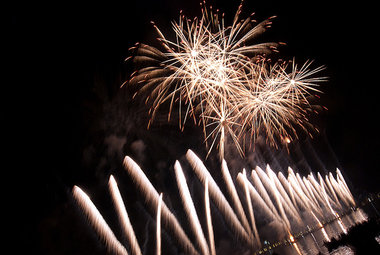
[[62, 55]]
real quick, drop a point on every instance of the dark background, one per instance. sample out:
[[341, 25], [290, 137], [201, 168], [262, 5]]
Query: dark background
[[62, 99]]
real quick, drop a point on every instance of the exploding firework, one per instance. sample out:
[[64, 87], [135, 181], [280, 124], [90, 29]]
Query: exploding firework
[[216, 76], [223, 81], [291, 207]]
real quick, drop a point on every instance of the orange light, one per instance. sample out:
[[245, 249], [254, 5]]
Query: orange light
[[291, 238]]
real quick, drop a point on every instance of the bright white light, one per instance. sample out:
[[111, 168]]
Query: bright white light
[[194, 53]]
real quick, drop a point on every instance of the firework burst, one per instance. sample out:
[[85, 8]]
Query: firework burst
[[224, 82]]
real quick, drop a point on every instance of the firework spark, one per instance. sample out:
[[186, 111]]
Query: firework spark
[[284, 203], [158, 227], [152, 196], [209, 221], [234, 196], [190, 209], [224, 82], [123, 216], [98, 222]]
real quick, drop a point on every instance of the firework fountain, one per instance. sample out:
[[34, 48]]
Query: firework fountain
[[214, 75], [288, 205]]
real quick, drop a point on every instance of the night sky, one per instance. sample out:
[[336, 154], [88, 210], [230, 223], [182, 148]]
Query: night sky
[[71, 124]]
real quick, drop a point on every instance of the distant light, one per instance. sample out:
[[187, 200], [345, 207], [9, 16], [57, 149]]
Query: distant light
[[194, 53]]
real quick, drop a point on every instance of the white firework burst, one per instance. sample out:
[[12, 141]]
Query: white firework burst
[[223, 81]]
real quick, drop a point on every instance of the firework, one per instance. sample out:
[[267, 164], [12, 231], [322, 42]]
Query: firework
[[190, 209], [225, 82], [234, 196], [98, 222], [286, 204], [209, 220], [153, 198], [250, 208], [123, 216], [216, 194], [158, 226]]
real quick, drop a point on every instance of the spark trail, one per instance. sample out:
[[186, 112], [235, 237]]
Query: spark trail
[[98, 222], [286, 204], [123, 216]]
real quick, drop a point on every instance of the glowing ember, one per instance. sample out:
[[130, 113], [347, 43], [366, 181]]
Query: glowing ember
[[291, 238]]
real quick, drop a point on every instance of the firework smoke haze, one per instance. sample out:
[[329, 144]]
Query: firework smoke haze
[[224, 82]]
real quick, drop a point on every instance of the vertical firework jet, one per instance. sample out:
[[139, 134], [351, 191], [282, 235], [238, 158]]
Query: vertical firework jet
[[285, 203], [98, 222], [123, 216], [158, 228], [224, 82]]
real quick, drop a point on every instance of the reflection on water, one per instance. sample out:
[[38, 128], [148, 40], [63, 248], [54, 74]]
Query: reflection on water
[[377, 238], [313, 243], [343, 250]]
